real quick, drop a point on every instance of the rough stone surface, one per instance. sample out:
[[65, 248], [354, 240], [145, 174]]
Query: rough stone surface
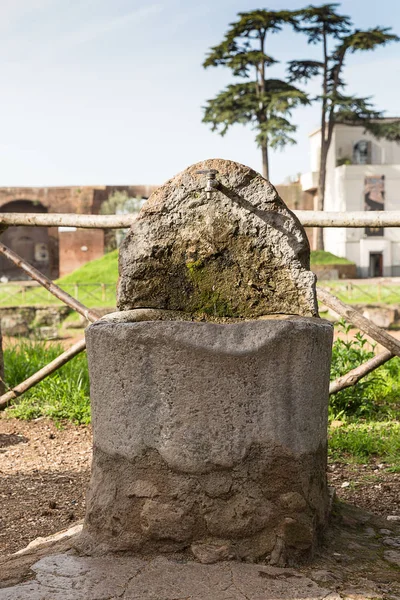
[[383, 316], [354, 564], [244, 255], [392, 556], [50, 539], [209, 434], [69, 577]]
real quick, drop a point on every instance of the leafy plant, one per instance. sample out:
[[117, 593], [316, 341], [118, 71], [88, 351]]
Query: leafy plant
[[376, 395], [347, 354]]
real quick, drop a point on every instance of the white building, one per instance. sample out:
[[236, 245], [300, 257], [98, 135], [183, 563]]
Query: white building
[[363, 173]]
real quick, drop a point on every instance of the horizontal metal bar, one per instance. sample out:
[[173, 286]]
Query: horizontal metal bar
[[67, 220], [309, 218], [378, 218]]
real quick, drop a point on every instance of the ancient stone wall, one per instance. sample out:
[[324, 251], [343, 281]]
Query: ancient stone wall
[[67, 256], [79, 247]]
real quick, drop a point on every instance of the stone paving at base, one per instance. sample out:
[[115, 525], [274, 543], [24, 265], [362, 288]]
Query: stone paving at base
[[70, 577]]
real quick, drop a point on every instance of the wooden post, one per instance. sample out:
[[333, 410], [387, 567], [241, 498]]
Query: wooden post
[[58, 362], [90, 315], [357, 319], [354, 376], [54, 289]]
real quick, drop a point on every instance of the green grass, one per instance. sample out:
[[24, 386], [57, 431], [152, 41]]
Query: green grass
[[101, 270], [321, 257], [369, 412], [93, 284], [62, 395], [360, 442], [363, 292], [376, 396]]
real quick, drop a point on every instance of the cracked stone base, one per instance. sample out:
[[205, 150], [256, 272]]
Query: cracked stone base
[[68, 577], [209, 437]]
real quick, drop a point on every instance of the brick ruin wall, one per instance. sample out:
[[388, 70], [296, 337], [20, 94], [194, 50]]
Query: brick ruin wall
[[66, 250]]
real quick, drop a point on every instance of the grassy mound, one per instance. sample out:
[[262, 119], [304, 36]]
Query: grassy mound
[[94, 284], [101, 270], [321, 257]]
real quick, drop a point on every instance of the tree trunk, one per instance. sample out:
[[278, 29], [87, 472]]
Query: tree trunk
[[265, 163], [320, 203]]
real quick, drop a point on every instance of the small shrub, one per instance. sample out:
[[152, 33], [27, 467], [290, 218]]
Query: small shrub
[[348, 354], [376, 396]]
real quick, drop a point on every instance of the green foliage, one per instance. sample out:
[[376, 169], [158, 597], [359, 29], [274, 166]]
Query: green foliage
[[323, 25], [348, 354], [322, 257], [62, 395], [318, 21], [264, 104], [120, 203], [375, 396], [390, 130], [236, 104], [320, 24], [346, 160], [364, 418]]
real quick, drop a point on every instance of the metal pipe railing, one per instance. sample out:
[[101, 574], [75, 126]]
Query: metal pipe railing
[[308, 218]]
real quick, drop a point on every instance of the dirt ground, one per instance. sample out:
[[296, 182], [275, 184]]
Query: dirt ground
[[44, 472]]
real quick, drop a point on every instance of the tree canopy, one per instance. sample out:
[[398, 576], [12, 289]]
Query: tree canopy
[[264, 104], [334, 32]]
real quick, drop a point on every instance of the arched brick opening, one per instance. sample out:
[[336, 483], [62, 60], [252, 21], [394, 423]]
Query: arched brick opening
[[34, 244]]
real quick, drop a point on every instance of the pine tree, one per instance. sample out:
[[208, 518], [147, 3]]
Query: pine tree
[[264, 104], [324, 25]]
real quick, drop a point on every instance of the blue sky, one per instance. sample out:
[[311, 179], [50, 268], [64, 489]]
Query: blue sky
[[110, 91]]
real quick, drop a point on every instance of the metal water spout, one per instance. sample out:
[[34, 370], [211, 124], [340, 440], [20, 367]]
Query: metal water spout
[[212, 184]]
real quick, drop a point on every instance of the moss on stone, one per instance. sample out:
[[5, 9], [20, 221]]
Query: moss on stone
[[206, 299]]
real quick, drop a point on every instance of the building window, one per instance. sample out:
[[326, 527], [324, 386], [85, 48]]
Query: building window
[[362, 153], [376, 264], [374, 199]]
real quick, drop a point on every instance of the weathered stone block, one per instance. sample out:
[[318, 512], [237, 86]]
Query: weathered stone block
[[242, 253], [209, 434]]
